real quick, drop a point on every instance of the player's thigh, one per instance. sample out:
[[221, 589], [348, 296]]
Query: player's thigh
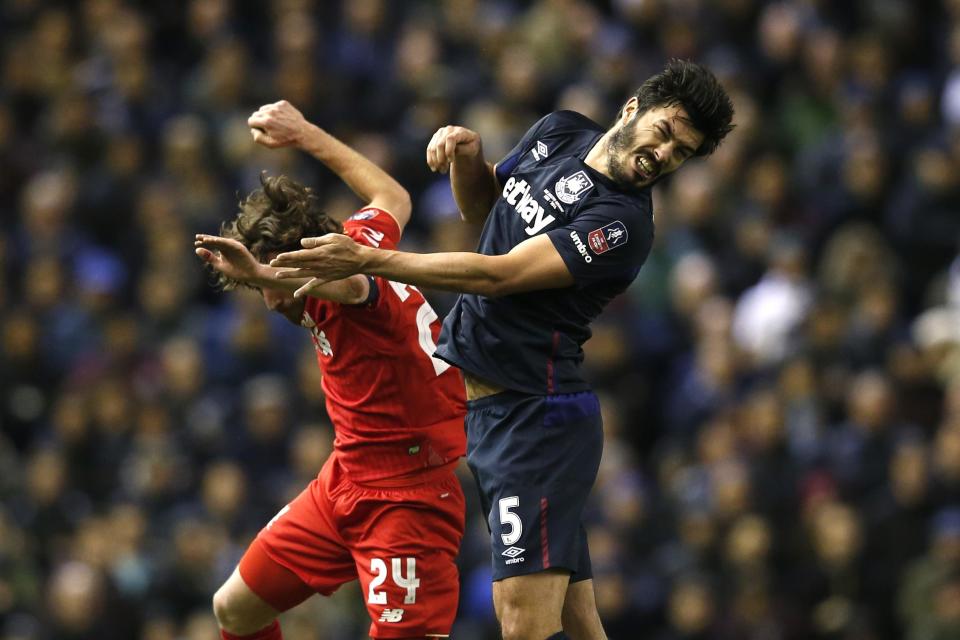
[[535, 460], [406, 559], [580, 618], [304, 538], [530, 606]]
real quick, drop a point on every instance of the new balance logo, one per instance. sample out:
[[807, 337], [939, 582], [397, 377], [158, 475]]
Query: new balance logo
[[391, 615], [514, 554], [517, 194]]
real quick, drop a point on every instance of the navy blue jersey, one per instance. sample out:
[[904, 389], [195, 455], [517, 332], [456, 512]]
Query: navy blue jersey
[[531, 342]]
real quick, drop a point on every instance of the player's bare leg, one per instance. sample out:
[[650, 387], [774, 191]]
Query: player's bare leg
[[580, 618], [529, 607], [239, 610]]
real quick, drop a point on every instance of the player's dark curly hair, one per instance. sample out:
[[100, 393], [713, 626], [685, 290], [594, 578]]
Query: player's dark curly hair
[[698, 91], [274, 218]]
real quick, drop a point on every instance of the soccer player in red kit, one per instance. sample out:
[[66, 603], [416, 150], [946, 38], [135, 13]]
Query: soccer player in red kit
[[387, 507]]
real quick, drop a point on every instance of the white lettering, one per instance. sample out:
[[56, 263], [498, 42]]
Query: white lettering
[[517, 194], [582, 248]]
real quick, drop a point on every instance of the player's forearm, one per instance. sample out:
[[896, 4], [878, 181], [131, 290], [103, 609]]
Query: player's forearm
[[364, 178], [474, 186], [351, 290], [462, 272]]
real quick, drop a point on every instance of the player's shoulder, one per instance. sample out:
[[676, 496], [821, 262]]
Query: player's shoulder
[[631, 210], [639, 203], [566, 122], [374, 227]]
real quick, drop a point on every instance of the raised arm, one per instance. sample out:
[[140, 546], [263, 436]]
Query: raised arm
[[281, 125], [532, 265], [232, 259], [472, 179]]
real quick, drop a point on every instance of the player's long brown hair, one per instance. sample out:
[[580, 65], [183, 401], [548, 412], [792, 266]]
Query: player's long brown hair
[[274, 218]]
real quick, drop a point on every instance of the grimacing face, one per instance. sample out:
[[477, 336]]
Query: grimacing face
[[643, 148]]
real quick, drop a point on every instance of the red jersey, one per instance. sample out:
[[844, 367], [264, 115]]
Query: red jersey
[[394, 407]]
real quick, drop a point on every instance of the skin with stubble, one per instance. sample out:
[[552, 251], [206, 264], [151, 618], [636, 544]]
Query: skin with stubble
[[646, 147]]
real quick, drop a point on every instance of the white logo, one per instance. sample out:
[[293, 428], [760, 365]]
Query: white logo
[[541, 151], [391, 615], [570, 189], [363, 215], [373, 237], [514, 553], [517, 194], [320, 342], [582, 248]]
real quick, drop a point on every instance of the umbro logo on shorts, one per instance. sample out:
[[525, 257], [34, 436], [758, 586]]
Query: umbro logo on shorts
[[515, 555]]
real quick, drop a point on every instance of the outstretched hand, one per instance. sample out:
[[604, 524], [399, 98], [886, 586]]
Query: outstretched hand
[[326, 258], [277, 125], [227, 256]]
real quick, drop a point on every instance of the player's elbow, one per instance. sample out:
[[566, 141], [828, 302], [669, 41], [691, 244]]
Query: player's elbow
[[397, 201], [498, 282]]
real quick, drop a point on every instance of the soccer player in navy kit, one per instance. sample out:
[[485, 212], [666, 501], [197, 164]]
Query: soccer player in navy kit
[[568, 222]]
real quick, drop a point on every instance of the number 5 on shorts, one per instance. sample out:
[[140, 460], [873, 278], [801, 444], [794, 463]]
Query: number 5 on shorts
[[509, 518]]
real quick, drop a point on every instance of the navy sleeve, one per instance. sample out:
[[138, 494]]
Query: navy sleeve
[[506, 166], [610, 239]]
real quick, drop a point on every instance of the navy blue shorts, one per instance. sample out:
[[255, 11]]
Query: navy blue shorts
[[535, 459]]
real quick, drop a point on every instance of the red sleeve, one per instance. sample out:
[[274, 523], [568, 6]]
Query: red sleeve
[[374, 228], [371, 227]]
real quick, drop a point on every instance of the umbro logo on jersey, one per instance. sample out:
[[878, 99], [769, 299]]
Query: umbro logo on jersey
[[391, 615], [517, 194], [607, 237], [582, 248], [570, 188], [541, 151]]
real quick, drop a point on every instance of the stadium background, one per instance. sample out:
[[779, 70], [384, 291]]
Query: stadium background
[[781, 386]]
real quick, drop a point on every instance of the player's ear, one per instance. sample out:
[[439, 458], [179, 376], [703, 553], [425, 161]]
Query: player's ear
[[629, 109]]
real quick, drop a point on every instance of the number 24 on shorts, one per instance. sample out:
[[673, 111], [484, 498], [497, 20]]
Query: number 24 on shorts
[[410, 582]]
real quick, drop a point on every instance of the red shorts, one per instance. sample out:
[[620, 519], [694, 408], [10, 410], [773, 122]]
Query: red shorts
[[401, 542]]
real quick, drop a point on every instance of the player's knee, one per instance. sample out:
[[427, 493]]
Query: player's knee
[[221, 606], [523, 623], [228, 610]]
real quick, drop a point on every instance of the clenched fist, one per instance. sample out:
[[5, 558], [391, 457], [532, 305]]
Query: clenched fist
[[277, 125], [448, 142]]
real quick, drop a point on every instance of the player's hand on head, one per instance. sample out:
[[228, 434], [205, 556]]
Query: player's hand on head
[[326, 258], [448, 142], [278, 124], [226, 255]]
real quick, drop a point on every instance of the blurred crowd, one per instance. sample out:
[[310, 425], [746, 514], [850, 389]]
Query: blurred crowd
[[781, 385]]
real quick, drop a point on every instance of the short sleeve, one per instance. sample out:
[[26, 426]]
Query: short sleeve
[[607, 240], [374, 228], [509, 162]]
